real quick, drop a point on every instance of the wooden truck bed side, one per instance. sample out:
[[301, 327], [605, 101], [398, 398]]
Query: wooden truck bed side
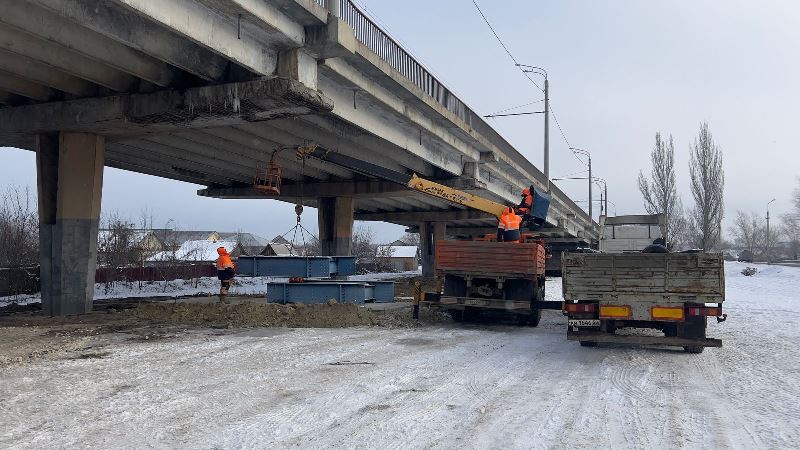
[[522, 260], [661, 277]]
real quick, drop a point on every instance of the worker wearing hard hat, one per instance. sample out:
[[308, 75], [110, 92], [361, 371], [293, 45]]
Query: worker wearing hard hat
[[225, 272], [526, 204]]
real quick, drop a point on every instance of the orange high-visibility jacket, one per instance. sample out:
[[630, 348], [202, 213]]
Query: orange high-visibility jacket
[[224, 261]]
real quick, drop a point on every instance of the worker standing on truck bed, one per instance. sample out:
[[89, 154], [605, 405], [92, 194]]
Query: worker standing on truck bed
[[512, 224], [225, 272], [501, 226]]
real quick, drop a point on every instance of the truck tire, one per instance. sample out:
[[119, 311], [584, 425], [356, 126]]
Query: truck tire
[[588, 344], [695, 328], [456, 314], [536, 313]]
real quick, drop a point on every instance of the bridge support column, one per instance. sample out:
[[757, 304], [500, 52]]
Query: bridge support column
[[335, 217], [429, 233], [70, 180]]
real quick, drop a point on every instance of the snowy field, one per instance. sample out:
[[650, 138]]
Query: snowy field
[[433, 386]]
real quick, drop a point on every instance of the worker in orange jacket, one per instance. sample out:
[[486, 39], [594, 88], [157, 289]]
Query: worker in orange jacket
[[501, 226], [526, 204], [512, 224], [225, 272]]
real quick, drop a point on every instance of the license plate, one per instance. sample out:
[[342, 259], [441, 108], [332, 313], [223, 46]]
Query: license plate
[[475, 302], [584, 323]]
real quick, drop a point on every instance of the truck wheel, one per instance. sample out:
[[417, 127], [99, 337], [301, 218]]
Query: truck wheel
[[588, 344], [693, 348], [456, 314], [535, 317]]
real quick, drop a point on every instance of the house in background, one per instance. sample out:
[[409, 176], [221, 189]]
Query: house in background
[[403, 258], [193, 252], [170, 240], [280, 240], [250, 243], [275, 249]]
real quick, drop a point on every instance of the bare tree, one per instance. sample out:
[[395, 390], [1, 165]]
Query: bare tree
[[370, 257], [790, 229], [411, 239], [749, 231], [708, 183], [659, 192], [19, 227]]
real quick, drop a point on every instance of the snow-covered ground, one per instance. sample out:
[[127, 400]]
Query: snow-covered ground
[[443, 386], [185, 288]]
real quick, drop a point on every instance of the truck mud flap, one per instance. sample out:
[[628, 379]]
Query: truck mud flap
[[594, 336]]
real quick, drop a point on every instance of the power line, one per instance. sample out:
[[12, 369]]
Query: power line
[[517, 107], [510, 55], [517, 64]]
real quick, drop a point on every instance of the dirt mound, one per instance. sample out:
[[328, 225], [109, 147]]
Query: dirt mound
[[333, 315], [401, 318]]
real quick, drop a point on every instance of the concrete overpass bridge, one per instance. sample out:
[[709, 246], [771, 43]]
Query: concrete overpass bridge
[[202, 90]]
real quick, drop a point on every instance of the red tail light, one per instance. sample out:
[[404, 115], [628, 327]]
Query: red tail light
[[581, 307], [714, 311]]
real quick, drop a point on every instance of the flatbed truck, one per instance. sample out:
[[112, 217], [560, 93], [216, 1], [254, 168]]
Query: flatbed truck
[[674, 293], [481, 275]]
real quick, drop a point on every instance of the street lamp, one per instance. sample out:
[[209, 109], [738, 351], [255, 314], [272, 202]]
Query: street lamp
[[588, 155], [767, 246], [539, 71], [604, 196]]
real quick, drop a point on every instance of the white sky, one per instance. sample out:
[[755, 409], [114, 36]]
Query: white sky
[[619, 72]]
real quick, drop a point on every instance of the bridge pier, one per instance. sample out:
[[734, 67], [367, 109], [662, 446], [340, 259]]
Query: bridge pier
[[70, 180], [429, 233], [335, 216]]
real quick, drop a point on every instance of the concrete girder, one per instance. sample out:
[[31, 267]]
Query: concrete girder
[[168, 110], [66, 60], [51, 27], [264, 148], [138, 167], [260, 17], [45, 75], [412, 116], [144, 151], [355, 189], [384, 123], [244, 165], [299, 130], [423, 216], [134, 31], [333, 129], [224, 147], [26, 88], [208, 28]]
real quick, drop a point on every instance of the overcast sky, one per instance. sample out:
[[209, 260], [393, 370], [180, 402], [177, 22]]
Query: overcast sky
[[619, 72]]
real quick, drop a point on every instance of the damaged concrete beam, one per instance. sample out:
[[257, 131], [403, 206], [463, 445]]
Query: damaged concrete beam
[[132, 114], [422, 216], [359, 189]]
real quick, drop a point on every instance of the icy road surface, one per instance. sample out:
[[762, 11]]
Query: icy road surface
[[464, 387]]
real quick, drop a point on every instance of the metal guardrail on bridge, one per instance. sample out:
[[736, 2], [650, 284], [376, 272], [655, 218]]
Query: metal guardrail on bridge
[[373, 37], [370, 34]]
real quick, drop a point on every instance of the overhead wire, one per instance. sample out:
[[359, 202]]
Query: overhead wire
[[526, 74]]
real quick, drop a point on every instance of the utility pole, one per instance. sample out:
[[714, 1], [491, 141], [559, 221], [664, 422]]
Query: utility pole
[[767, 249], [547, 131], [590, 187]]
